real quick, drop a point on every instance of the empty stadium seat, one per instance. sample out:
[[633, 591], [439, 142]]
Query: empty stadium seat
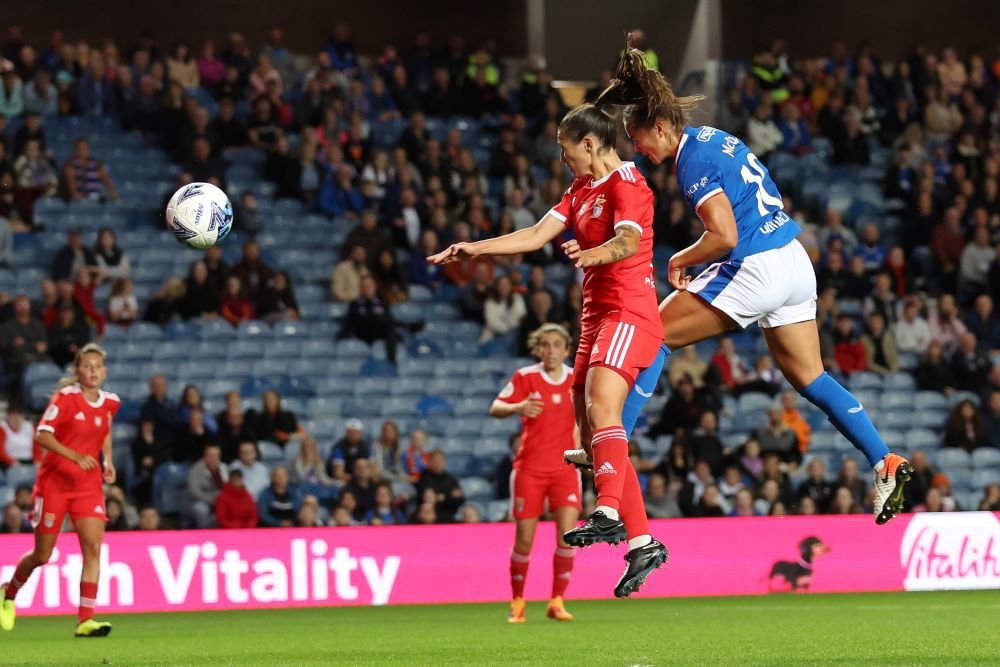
[[170, 488], [476, 488], [951, 458], [986, 457]]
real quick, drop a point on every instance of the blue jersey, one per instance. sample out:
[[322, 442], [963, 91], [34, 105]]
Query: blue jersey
[[709, 162]]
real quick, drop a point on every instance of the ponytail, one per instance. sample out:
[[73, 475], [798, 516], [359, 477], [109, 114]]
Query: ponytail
[[646, 95]]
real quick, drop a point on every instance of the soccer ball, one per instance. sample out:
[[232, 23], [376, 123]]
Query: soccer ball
[[200, 215]]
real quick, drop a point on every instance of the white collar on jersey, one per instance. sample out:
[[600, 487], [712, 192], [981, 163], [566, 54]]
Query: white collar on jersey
[[594, 183], [680, 146], [548, 378]]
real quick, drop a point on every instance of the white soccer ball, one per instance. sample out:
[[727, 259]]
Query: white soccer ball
[[200, 215]]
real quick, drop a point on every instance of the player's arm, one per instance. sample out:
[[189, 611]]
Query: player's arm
[[624, 244], [528, 407], [522, 241], [48, 441], [720, 237], [110, 474]]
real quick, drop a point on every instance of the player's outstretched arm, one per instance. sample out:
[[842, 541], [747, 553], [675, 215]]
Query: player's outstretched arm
[[528, 407], [719, 238], [624, 244], [524, 240]]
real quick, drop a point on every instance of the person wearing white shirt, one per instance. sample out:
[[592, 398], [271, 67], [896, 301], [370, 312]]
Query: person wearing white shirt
[[912, 332], [17, 437], [256, 476]]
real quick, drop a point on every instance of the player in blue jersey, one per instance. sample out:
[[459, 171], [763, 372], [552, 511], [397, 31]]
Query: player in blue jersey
[[761, 273]]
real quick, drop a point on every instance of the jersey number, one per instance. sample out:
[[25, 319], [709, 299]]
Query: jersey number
[[763, 197]]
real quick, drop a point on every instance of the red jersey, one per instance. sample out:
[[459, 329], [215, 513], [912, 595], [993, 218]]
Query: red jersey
[[543, 438], [81, 426], [595, 210]]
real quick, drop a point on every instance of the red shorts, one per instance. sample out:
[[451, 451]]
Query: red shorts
[[529, 491], [616, 344], [50, 505]]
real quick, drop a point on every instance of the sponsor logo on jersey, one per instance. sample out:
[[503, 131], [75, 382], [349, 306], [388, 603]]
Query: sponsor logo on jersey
[[777, 222], [729, 145], [698, 185], [80, 417], [606, 469], [598, 206], [706, 133], [51, 413]]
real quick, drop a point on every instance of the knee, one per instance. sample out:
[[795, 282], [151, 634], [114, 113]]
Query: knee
[[42, 556], [90, 550], [522, 545], [600, 414]]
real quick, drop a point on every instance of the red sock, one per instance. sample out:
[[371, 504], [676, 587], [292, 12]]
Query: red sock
[[88, 598], [610, 465], [633, 507], [21, 575], [518, 573], [562, 570]]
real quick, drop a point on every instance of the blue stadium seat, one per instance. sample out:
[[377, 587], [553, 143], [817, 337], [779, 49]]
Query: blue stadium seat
[[271, 453], [471, 406], [325, 406], [960, 396], [865, 380], [352, 348], [921, 438], [980, 478], [896, 400], [434, 405], [255, 386], [952, 458], [987, 457], [378, 368], [755, 402], [895, 419], [19, 474], [930, 400], [477, 488], [460, 464], [170, 488], [900, 381], [253, 329]]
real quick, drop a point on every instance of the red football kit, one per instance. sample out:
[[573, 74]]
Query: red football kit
[[539, 470], [620, 324], [62, 486]]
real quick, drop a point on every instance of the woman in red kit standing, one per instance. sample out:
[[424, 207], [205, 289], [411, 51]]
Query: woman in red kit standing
[[75, 433]]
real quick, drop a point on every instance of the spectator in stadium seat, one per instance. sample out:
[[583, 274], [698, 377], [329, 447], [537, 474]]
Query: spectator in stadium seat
[[276, 300], [983, 322], [233, 428], [159, 409], [795, 137], [843, 502], [965, 428], [123, 307], [750, 460], [851, 148], [272, 422], [345, 283], [795, 420], [348, 450], [472, 298], [22, 341], [278, 504], [17, 437], [503, 311], [368, 234], [111, 259], [834, 275], [148, 453], [72, 257], [308, 471], [369, 319], [681, 411], [255, 474], [912, 333], [881, 355], [705, 444], [235, 507], [386, 453], [730, 482], [694, 487], [192, 437], [848, 349], [763, 136], [227, 127], [95, 91], [659, 503], [362, 486], [816, 485], [200, 300], [165, 303], [217, 268], [383, 513], [946, 324], [870, 249], [84, 177], [11, 92], [341, 518], [181, 67], [67, 336], [34, 178], [41, 96], [971, 367], [848, 479], [991, 499], [199, 126], [711, 503], [202, 166], [947, 245], [235, 304], [776, 437], [743, 504], [974, 263], [685, 363], [389, 276], [14, 521], [991, 417], [211, 69], [85, 283], [505, 466], [540, 311], [934, 373], [447, 491], [205, 480], [308, 514], [115, 512]]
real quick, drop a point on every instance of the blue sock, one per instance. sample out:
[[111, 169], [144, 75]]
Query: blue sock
[[642, 391], [848, 415]]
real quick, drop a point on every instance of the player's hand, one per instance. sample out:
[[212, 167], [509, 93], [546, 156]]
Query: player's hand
[[530, 407], [676, 277], [86, 462], [576, 254], [110, 474], [457, 252]]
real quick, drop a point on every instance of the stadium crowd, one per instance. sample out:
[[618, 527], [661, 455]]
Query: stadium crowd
[[909, 293]]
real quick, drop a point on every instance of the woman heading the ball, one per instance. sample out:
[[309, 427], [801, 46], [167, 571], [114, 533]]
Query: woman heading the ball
[[75, 432], [761, 272], [609, 208]]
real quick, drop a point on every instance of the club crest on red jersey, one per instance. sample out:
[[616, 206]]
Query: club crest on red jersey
[[598, 206], [557, 398]]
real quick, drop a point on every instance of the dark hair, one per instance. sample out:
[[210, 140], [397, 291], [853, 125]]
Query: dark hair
[[646, 95], [588, 119]]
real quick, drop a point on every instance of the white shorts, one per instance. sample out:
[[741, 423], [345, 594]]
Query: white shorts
[[771, 288]]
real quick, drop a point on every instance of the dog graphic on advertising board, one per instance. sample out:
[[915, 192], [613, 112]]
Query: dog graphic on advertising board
[[796, 575]]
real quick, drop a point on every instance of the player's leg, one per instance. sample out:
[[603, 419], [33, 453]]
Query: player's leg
[[90, 531], [45, 542], [526, 507], [795, 348], [565, 493], [688, 319]]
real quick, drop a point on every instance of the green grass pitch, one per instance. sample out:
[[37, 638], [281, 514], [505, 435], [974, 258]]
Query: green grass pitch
[[958, 628]]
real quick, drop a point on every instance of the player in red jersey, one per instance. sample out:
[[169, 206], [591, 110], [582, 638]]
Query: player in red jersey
[[542, 395], [75, 431], [609, 208]]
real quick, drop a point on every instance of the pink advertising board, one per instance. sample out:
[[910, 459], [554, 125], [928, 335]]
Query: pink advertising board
[[191, 570]]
